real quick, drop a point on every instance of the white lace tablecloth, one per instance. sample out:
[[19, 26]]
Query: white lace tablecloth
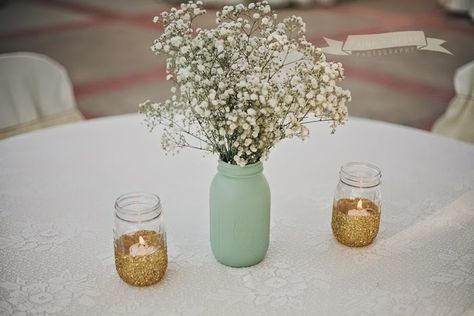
[[58, 186]]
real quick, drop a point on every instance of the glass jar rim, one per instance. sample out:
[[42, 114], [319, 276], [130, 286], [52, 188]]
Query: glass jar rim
[[236, 171], [360, 174], [138, 206]]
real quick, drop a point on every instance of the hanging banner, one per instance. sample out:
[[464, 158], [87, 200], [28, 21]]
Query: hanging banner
[[369, 42]]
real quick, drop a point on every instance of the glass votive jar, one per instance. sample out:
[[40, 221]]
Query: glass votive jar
[[141, 256], [357, 204]]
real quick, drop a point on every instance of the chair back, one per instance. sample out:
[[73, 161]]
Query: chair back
[[32, 87]]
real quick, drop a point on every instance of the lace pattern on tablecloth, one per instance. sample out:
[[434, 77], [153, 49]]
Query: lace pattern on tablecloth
[[53, 268]]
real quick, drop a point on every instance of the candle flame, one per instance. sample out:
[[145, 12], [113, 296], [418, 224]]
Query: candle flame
[[141, 241], [359, 205]]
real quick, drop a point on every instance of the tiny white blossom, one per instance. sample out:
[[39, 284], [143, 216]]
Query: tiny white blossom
[[232, 96], [176, 41]]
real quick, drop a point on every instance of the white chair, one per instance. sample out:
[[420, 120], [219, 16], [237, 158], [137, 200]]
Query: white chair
[[459, 6], [35, 92], [458, 120]]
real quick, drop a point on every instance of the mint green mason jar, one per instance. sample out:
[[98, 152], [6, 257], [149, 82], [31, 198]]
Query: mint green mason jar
[[239, 214]]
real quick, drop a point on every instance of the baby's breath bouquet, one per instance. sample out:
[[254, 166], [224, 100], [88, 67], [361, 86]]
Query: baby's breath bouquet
[[244, 85]]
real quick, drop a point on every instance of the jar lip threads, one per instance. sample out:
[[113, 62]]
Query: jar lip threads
[[360, 174], [138, 206]]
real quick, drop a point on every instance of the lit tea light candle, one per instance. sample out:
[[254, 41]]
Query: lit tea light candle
[[359, 211], [144, 262], [355, 222], [141, 248]]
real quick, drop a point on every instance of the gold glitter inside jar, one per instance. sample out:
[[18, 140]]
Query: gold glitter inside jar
[[355, 222], [141, 269]]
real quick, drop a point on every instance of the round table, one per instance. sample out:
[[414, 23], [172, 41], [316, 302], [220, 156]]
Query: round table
[[58, 187]]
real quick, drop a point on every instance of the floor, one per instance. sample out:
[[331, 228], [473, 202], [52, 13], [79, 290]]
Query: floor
[[104, 45]]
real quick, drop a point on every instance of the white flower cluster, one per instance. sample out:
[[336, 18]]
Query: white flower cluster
[[244, 85]]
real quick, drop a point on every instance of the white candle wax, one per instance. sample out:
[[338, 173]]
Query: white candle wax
[[141, 248], [359, 211], [362, 212]]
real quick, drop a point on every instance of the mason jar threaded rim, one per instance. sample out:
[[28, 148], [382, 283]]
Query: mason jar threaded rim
[[231, 170], [360, 174], [138, 206]]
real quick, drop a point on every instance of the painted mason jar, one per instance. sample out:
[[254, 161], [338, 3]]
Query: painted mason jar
[[239, 214]]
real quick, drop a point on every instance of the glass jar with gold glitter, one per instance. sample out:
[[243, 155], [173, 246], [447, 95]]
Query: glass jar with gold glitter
[[141, 256], [357, 204]]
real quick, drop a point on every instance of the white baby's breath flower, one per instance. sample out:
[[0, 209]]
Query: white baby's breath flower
[[251, 112], [176, 41], [236, 93], [272, 102]]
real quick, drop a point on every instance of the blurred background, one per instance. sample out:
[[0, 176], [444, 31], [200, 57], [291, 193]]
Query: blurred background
[[104, 46]]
